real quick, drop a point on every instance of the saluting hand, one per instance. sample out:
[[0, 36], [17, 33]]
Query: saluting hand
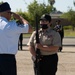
[[16, 16]]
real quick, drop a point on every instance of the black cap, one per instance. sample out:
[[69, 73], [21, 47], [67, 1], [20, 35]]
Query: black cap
[[46, 17], [4, 7]]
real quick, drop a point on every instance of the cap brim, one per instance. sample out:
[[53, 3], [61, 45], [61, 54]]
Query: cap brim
[[43, 19]]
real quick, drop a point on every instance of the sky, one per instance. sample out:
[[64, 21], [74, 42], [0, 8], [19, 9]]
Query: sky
[[61, 5]]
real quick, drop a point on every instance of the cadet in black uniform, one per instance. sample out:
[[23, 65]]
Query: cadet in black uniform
[[20, 38], [50, 42], [20, 41], [58, 27]]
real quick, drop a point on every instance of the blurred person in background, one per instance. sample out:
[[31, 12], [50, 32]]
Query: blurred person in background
[[20, 42], [58, 27]]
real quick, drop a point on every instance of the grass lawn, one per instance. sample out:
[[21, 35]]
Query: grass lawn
[[67, 33], [26, 35]]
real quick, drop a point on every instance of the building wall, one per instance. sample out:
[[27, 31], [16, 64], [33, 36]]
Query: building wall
[[64, 22]]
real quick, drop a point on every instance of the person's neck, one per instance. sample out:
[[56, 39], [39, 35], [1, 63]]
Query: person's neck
[[45, 29]]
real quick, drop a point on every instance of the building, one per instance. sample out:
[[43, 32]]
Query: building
[[56, 15]]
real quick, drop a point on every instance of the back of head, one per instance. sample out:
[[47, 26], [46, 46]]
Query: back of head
[[4, 7], [46, 17]]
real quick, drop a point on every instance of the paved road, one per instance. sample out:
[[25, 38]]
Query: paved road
[[66, 41], [66, 64], [69, 41]]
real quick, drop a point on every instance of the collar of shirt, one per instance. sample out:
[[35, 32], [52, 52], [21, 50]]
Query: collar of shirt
[[48, 30]]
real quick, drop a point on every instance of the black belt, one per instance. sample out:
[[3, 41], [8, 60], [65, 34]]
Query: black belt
[[48, 55]]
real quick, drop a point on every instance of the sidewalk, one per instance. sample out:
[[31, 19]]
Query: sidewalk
[[66, 65]]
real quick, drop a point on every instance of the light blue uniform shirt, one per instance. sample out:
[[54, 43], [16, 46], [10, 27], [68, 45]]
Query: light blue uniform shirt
[[9, 35]]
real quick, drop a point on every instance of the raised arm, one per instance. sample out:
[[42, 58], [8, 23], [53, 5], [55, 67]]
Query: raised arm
[[22, 20]]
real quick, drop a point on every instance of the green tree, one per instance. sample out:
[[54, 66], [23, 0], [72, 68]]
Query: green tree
[[70, 15], [1, 2], [39, 9], [51, 2], [74, 2], [23, 14]]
